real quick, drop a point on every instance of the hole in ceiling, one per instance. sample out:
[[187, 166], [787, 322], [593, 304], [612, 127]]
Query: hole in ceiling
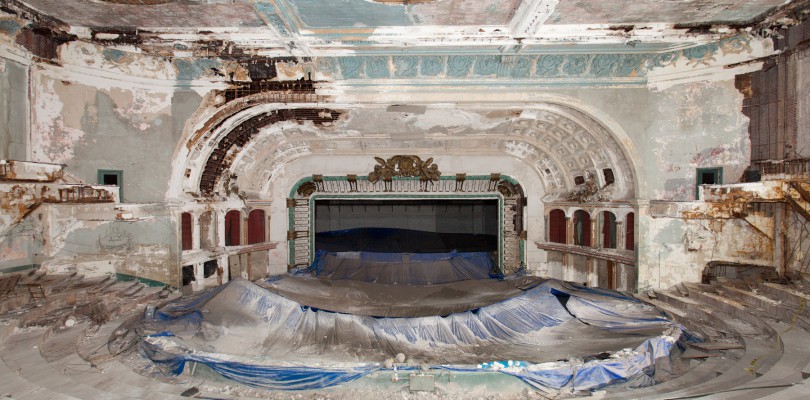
[[609, 178]]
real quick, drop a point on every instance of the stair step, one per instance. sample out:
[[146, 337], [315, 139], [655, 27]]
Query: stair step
[[25, 356], [676, 300], [703, 372], [785, 372], [757, 359], [767, 307], [737, 311], [786, 293], [714, 346]]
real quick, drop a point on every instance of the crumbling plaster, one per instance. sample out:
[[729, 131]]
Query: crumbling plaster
[[675, 249], [13, 103], [81, 126], [669, 132], [695, 125], [560, 140], [81, 115], [93, 240]]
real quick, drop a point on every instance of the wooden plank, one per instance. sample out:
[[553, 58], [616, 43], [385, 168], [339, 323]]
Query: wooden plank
[[714, 346], [691, 353]]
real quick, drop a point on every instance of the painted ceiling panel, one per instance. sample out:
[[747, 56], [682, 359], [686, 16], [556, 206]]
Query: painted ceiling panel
[[661, 11], [175, 14], [367, 13]]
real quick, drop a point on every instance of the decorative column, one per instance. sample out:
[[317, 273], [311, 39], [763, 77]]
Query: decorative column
[[621, 273], [593, 267], [568, 259], [196, 233], [199, 277]]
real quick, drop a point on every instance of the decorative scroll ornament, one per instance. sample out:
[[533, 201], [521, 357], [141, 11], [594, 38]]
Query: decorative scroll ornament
[[307, 189], [404, 166], [591, 192]]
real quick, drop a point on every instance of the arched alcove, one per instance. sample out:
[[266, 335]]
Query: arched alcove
[[233, 228]]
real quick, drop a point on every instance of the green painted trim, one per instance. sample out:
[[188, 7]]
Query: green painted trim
[[19, 268], [718, 174], [298, 184], [120, 173], [290, 247], [129, 278], [522, 247]]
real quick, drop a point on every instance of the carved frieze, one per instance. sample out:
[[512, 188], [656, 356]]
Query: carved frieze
[[404, 166]]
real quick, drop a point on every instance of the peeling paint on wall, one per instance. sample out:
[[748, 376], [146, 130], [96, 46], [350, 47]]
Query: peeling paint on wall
[[124, 63], [56, 125], [697, 125]]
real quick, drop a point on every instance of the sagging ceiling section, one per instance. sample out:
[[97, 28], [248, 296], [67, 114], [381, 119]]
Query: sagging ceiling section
[[243, 153]]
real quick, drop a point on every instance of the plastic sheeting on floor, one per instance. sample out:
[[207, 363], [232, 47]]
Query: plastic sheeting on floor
[[380, 300], [637, 366], [164, 349], [237, 328], [402, 268]]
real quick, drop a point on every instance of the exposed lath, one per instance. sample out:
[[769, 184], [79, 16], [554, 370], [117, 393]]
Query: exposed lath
[[221, 157]]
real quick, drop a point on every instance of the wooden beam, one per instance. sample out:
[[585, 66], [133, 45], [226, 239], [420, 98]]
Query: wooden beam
[[620, 256]]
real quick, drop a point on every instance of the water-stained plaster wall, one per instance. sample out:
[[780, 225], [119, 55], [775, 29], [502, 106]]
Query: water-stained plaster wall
[[13, 110], [696, 125], [89, 128], [675, 131], [91, 240], [674, 249], [21, 245]]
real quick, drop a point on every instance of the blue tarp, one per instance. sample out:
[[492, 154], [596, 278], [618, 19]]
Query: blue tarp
[[281, 327], [638, 365], [272, 377]]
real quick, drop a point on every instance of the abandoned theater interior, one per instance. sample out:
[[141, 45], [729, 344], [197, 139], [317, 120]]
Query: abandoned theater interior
[[512, 199]]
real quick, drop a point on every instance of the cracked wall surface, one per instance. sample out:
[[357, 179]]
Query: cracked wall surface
[[168, 114], [13, 92]]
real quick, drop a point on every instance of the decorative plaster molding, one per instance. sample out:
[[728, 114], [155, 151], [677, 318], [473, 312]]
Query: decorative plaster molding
[[530, 16]]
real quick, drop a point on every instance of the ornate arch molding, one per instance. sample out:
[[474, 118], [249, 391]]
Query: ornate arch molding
[[218, 143], [556, 135], [558, 141]]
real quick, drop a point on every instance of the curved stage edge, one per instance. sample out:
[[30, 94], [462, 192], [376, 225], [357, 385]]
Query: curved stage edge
[[286, 335]]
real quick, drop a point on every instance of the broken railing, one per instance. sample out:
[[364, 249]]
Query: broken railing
[[627, 257], [27, 171], [778, 168]]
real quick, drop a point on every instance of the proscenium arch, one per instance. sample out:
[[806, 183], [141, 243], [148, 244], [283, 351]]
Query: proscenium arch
[[523, 138], [411, 195]]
